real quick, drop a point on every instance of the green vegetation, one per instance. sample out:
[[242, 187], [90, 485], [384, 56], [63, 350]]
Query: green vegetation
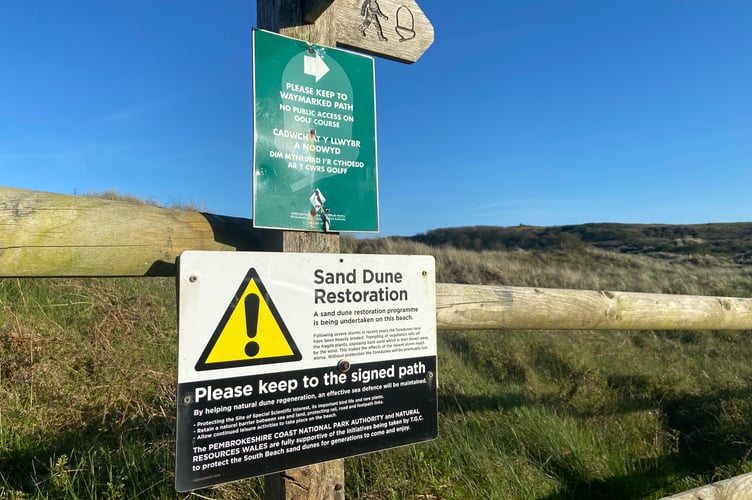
[[731, 240], [88, 375]]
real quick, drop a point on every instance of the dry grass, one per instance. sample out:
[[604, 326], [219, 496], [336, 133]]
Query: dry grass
[[87, 390], [585, 269]]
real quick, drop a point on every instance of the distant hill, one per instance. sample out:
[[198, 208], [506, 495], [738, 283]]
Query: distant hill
[[722, 239]]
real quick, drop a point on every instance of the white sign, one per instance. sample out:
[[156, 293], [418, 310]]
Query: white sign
[[288, 359]]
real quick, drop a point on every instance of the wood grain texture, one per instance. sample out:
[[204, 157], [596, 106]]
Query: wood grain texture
[[322, 481], [46, 234], [477, 307], [394, 29]]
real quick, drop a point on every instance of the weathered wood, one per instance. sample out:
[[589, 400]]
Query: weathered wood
[[320, 481], [46, 234], [298, 241], [460, 307], [394, 29], [735, 488], [326, 480]]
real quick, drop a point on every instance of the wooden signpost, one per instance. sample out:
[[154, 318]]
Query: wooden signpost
[[385, 29], [394, 29], [324, 480]]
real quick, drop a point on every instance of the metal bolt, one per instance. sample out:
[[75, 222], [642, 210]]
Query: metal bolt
[[187, 400], [429, 375], [192, 278], [343, 366]]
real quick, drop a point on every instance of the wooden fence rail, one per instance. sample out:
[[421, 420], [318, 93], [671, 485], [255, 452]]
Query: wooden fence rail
[[53, 235], [46, 235]]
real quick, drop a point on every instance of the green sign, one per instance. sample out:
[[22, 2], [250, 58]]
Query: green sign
[[314, 163]]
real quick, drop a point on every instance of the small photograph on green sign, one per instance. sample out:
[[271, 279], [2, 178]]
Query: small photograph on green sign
[[314, 161]]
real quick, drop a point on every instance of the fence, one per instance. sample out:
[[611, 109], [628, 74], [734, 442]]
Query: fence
[[53, 235]]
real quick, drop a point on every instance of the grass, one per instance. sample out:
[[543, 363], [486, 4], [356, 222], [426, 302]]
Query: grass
[[88, 371]]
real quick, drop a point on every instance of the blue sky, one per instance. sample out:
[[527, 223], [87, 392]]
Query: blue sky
[[535, 112]]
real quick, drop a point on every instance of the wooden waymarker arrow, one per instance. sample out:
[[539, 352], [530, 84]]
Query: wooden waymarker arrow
[[395, 29]]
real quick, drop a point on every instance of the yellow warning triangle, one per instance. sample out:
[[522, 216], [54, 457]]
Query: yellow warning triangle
[[251, 332]]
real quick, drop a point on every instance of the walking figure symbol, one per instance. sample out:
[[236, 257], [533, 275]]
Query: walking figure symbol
[[371, 13]]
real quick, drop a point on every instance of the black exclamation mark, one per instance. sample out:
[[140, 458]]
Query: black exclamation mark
[[251, 323]]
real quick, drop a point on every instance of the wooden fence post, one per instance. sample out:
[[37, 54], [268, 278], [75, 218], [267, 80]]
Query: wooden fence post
[[287, 17]]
